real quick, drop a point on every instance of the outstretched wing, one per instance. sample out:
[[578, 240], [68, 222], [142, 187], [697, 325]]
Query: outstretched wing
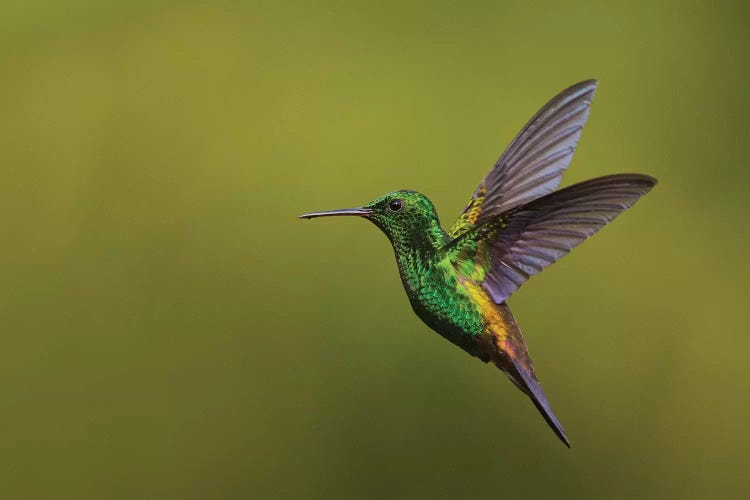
[[533, 164], [503, 253]]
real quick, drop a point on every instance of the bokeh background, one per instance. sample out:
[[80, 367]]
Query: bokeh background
[[170, 330]]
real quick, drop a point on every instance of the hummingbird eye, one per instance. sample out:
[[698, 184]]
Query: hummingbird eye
[[395, 205]]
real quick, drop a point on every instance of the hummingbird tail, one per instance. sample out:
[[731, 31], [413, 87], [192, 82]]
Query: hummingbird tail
[[509, 353], [526, 381]]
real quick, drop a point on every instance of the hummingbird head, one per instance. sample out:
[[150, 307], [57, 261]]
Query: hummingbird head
[[408, 219]]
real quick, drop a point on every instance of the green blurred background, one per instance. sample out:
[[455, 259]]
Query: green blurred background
[[171, 331]]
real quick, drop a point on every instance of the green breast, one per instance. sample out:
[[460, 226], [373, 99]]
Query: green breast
[[439, 298]]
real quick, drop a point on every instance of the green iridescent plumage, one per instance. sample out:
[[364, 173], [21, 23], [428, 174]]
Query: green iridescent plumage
[[426, 264], [514, 226]]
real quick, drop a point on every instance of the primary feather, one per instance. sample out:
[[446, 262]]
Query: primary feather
[[520, 243], [535, 160]]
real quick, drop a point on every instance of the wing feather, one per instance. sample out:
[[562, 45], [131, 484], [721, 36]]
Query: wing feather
[[533, 164], [522, 242]]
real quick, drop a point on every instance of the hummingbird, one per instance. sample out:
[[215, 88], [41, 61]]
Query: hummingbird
[[515, 225]]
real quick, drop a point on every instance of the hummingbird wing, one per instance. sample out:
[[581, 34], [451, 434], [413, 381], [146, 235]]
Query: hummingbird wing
[[503, 253], [533, 164]]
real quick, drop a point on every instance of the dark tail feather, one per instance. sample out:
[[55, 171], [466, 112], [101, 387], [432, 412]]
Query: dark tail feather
[[512, 357], [529, 385]]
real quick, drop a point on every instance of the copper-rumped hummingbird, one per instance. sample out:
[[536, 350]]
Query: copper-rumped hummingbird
[[514, 225]]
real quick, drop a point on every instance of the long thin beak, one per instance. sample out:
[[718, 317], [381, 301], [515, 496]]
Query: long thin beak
[[361, 212]]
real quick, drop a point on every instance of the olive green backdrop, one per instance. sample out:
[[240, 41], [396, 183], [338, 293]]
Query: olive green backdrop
[[169, 330]]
